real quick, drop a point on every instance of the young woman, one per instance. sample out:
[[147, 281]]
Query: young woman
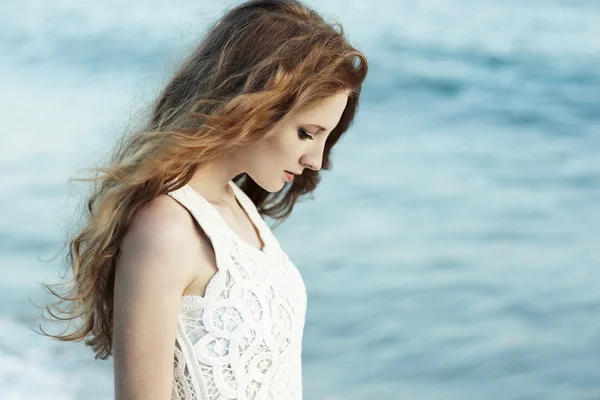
[[175, 273]]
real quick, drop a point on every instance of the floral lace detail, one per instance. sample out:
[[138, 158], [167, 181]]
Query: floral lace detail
[[243, 339]]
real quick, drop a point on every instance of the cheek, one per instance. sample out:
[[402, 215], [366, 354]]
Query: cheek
[[268, 155], [279, 151], [282, 148]]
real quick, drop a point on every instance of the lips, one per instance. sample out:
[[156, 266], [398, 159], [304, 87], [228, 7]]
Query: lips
[[289, 176]]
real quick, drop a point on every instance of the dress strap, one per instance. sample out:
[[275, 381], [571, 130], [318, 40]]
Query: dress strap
[[252, 212], [215, 226], [205, 215]]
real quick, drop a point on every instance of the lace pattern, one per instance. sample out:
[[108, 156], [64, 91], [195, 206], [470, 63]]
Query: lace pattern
[[243, 339]]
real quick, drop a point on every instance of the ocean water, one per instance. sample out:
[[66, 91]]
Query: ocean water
[[452, 252]]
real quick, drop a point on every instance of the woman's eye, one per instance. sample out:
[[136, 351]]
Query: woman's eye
[[303, 134]]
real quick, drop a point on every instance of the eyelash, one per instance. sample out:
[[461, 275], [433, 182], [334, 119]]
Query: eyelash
[[303, 135]]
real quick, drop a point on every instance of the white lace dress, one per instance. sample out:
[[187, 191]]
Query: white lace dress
[[243, 338]]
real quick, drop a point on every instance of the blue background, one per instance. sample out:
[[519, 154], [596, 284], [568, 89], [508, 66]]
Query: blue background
[[451, 253]]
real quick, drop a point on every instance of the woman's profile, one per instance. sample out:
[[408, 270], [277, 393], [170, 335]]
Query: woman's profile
[[175, 273]]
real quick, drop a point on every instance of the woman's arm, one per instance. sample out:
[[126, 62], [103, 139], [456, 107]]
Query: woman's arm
[[159, 257]]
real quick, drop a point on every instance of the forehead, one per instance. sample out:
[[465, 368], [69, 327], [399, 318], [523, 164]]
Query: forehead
[[326, 113]]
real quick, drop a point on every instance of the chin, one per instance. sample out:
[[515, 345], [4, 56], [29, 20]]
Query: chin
[[278, 188], [272, 187]]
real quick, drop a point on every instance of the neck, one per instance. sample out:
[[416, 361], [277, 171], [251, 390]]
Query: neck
[[212, 181]]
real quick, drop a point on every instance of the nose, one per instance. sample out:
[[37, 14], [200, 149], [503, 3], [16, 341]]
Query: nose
[[313, 155], [313, 160]]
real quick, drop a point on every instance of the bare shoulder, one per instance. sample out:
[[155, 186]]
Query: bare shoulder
[[161, 219], [161, 254], [164, 240]]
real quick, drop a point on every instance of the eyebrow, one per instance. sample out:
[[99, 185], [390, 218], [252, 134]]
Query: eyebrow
[[317, 126]]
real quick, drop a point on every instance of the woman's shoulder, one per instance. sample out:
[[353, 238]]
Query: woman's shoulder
[[163, 239], [163, 223]]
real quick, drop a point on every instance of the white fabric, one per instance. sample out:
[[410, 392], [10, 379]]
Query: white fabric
[[243, 338]]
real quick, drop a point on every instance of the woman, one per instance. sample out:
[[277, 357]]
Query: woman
[[175, 273]]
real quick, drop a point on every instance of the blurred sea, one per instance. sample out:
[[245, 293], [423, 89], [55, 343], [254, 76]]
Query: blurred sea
[[451, 253]]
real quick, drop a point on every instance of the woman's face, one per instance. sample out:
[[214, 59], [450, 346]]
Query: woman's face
[[296, 145]]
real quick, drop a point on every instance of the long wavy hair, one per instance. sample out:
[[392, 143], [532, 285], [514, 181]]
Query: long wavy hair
[[260, 63]]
